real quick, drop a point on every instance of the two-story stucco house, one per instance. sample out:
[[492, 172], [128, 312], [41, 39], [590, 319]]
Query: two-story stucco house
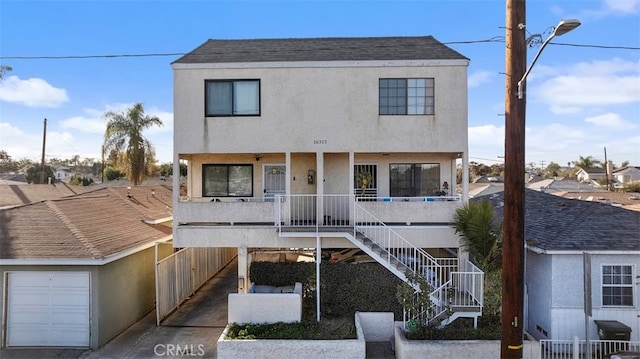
[[325, 143]]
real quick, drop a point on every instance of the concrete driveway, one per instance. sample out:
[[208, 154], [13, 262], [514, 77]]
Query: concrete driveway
[[190, 331]]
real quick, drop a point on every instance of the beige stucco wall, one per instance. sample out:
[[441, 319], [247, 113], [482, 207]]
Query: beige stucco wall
[[321, 109], [127, 291]]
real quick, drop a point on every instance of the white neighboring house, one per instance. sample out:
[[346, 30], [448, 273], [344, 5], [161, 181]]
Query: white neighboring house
[[588, 175], [63, 173], [626, 175], [323, 143], [558, 231]]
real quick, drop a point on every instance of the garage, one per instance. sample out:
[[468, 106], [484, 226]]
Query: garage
[[47, 309]]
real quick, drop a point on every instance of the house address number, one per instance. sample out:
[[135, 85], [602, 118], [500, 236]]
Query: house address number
[[319, 142]]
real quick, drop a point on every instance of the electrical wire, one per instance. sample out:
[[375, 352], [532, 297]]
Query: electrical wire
[[493, 39]]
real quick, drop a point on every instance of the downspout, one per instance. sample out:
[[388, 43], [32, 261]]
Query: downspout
[[318, 260]]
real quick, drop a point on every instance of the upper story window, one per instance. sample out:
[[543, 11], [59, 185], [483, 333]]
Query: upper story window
[[617, 285], [414, 179], [406, 96], [232, 97], [227, 180]]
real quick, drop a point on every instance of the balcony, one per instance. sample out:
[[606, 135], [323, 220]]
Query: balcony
[[308, 211]]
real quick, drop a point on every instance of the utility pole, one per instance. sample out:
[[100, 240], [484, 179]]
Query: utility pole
[[44, 141], [606, 170], [513, 219]]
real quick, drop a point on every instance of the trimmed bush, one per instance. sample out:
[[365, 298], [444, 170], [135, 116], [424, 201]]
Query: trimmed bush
[[345, 287]]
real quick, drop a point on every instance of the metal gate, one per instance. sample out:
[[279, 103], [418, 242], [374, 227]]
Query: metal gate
[[179, 275]]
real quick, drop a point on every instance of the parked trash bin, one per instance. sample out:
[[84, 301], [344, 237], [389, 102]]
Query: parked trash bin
[[613, 330]]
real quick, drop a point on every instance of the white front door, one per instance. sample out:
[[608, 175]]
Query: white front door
[[48, 309], [273, 181]]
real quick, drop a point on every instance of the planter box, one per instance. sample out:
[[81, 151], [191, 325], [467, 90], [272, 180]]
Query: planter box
[[283, 348], [409, 349]]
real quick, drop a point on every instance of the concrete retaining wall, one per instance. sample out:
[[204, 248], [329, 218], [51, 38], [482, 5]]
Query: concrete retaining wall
[[268, 306], [277, 348], [419, 349]]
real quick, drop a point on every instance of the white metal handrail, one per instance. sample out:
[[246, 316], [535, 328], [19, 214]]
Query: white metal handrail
[[453, 283], [576, 349], [397, 248]]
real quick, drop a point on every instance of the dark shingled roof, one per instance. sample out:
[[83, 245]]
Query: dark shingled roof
[[321, 49], [556, 223]]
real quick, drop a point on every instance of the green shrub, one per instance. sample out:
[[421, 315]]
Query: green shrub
[[327, 329], [461, 329], [345, 287]]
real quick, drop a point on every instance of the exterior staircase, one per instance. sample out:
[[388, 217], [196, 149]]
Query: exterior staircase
[[456, 285]]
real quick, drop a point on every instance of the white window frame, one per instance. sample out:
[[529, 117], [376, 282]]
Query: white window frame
[[418, 95], [617, 285]]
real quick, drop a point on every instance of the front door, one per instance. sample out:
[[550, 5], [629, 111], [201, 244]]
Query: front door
[[273, 180]]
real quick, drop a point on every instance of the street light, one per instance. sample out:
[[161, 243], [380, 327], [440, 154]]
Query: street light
[[563, 27]]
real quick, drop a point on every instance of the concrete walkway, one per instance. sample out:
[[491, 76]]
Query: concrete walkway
[[190, 331]]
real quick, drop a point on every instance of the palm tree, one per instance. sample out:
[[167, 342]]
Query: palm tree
[[587, 162], [480, 234], [124, 136], [4, 69]]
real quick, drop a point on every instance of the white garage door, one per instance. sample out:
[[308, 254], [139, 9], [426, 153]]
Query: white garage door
[[48, 309]]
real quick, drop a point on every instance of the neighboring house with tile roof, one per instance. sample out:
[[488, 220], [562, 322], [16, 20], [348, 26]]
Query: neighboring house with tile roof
[[300, 143], [625, 200], [563, 184], [79, 270], [13, 178], [484, 189], [558, 231], [23, 193]]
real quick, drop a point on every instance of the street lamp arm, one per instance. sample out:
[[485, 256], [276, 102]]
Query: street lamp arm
[[526, 73], [563, 27]]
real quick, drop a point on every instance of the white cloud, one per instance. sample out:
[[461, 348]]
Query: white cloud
[[80, 123], [33, 92], [478, 78], [560, 143], [622, 6], [589, 85], [610, 120]]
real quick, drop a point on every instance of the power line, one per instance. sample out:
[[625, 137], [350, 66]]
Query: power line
[[109, 56], [596, 46], [65, 57]]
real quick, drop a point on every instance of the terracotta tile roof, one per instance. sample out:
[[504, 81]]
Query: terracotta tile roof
[[321, 49], [18, 194], [624, 199], [92, 225]]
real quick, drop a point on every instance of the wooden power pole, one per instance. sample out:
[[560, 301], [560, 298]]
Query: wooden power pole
[[514, 173]]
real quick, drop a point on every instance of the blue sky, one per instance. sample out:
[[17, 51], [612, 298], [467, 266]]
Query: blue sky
[[580, 100]]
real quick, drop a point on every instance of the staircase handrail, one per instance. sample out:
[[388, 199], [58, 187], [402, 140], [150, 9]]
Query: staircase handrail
[[414, 265]]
